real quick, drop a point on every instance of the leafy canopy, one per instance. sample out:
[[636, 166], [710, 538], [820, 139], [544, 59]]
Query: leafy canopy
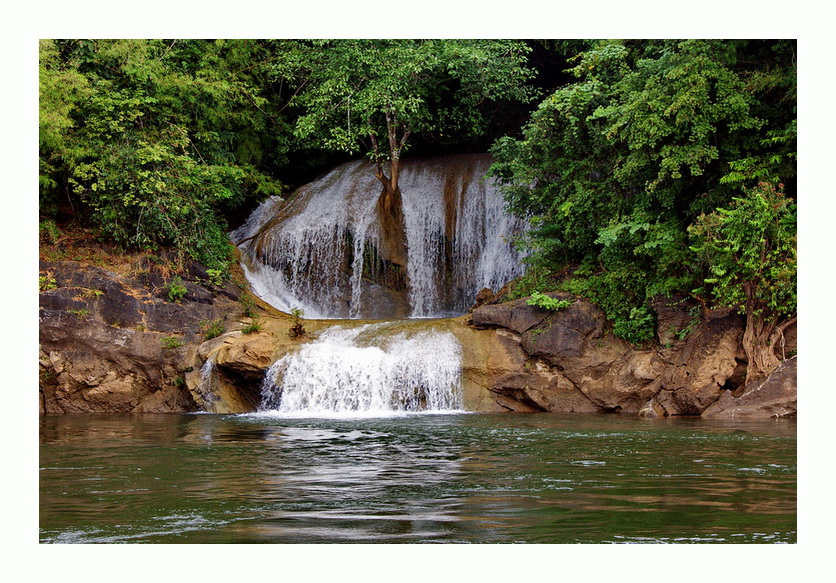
[[155, 138], [370, 95], [612, 168], [751, 252]]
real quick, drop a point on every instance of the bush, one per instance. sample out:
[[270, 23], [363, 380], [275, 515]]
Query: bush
[[171, 342], [176, 290], [545, 302], [212, 329], [46, 282], [252, 328], [297, 328]]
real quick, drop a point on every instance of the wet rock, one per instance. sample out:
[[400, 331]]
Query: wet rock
[[776, 397]]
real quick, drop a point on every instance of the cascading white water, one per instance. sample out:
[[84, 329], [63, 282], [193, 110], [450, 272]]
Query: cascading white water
[[374, 369], [207, 385], [318, 251], [331, 252], [305, 255]]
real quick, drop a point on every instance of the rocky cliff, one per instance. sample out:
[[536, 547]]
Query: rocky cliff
[[568, 361], [119, 342]]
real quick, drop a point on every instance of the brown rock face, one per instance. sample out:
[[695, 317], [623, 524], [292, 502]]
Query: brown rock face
[[111, 343], [775, 397], [568, 361]]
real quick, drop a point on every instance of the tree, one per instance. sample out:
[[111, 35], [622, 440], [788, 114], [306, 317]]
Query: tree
[[373, 96], [159, 138], [751, 253], [613, 168]]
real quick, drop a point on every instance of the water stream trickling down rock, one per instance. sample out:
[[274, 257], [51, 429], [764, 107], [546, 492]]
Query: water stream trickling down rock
[[328, 250]]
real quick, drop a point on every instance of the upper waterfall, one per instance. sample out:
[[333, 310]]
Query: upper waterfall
[[327, 250]]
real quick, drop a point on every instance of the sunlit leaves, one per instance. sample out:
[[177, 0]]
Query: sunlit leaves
[[751, 252], [614, 167], [370, 95], [159, 137]]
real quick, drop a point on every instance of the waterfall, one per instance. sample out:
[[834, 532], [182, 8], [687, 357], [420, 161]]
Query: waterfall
[[207, 385], [324, 250], [374, 369]]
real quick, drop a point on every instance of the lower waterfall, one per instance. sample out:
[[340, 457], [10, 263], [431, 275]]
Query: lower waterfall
[[370, 370]]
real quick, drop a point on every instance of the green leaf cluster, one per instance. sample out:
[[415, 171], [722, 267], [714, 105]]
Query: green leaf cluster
[[152, 140], [369, 96], [613, 167], [751, 251], [545, 302]]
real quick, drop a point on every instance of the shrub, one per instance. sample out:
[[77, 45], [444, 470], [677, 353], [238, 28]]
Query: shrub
[[176, 290], [212, 329], [46, 282], [170, 342], [297, 328], [248, 305], [252, 328], [216, 276], [545, 302]]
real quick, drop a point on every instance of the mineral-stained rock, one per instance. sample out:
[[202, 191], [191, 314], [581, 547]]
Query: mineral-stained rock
[[775, 396], [698, 374], [108, 345], [113, 343], [516, 316], [573, 352], [674, 315]]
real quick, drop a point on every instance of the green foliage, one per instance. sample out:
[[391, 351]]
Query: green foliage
[[536, 277], [155, 139], [637, 328], [49, 231], [545, 302], [750, 250], [80, 313], [212, 329], [370, 96], [171, 342], [253, 327], [612, 168], [47, 282], [216, 276], [248, 305], [694, 312], [297, 327], [176, 290]]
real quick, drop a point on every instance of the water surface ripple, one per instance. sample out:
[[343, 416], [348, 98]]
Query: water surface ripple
[[454, 478]]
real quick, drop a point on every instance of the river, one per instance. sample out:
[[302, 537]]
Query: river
[[415, 478]]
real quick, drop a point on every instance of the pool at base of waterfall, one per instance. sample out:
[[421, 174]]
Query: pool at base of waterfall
[[415, 478]]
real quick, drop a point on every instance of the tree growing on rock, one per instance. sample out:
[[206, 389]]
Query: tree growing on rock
[[751, 253], [372, 96]]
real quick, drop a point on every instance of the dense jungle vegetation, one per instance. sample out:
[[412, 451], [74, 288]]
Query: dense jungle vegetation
[[646, 167]]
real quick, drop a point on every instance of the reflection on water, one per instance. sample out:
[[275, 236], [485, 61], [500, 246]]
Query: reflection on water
[[409, 479]]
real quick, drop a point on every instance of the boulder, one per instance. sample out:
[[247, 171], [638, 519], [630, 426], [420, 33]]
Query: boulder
[[697, 376], [774, 397]]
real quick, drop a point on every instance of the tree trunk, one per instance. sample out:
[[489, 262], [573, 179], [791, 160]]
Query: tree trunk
[[763, 331], [759, 348], [391, 217]]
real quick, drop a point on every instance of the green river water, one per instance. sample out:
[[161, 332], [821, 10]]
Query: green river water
[[440, 478]]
